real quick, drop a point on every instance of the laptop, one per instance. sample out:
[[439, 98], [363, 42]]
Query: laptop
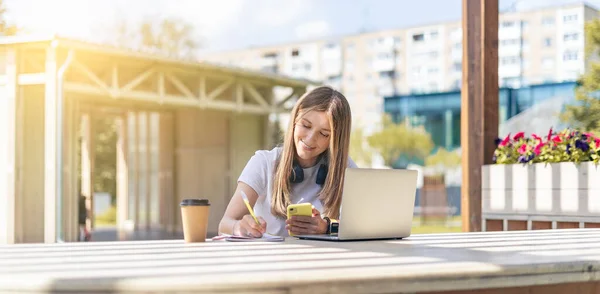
[[377, 204]]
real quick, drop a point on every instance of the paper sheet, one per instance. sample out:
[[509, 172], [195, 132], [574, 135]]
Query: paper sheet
[[264, 238]]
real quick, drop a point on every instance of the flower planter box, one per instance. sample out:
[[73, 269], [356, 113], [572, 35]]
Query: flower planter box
[[552, 192]]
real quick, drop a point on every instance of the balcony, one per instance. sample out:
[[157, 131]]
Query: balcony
[[332, 68], [456, 36], [384, 45], [456, 55], [512, 70], [270, 69], [384, 64], [512, 32], [386, 91], [510, 50], [332, 53], [268, 61]]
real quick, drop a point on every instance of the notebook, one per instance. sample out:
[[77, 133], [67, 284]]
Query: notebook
[[264, 238]]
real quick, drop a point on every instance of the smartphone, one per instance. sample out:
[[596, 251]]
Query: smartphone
[[303, 209]]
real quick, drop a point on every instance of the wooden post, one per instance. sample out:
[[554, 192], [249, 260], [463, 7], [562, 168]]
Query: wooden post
[[69, 174], [166, 162], [8, 151], [87, 165], [50, 152], [122, 173], [148, 169], [479, 102]]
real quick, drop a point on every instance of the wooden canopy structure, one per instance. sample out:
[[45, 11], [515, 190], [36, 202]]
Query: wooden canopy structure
[[185, 130]]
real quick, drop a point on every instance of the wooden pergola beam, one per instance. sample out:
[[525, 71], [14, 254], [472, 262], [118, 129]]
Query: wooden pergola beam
[[479, 102]]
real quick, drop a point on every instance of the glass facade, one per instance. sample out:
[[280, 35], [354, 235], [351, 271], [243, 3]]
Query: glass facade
[[439, 113]]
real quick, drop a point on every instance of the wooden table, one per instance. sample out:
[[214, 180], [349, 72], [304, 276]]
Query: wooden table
[[420, 263]]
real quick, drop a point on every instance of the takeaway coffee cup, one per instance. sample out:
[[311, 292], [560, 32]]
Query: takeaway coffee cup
[[194, 217]]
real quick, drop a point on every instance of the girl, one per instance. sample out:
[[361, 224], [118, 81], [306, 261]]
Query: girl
[[309, 167]]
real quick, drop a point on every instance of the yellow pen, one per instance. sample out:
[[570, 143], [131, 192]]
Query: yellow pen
[[245, 198]]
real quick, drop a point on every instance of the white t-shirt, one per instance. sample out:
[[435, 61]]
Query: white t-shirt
[[259, 173]]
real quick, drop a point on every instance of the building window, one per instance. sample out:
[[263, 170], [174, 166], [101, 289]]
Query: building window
[[372, 43], [433, 35], [457, 66], [571, 37], [433, 87], [548, 21], [384, 55], [509, 42], [570, 18], [418, 37], [456, 84], [432, 70], [416, 71], [548, 62], [509, 60], [570, 56], [389, 74], [349, 65], [507, 24], [295, 52], [548, 42]]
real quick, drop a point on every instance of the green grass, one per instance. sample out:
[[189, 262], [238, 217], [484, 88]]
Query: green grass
[[109, 218], [445, 225]]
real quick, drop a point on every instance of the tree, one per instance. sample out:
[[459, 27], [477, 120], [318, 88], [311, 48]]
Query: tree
[[443, 158], [277, 133], [170, 36], [358, 152], [5, 28], [584, 114], [395, 140], [105, 161]]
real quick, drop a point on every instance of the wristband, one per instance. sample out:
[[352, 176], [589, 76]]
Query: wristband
[[328, 225]]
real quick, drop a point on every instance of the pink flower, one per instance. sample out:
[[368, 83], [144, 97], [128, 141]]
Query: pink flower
[[519, 135], [550, 134], [537, 137], [597, 140], [505, 141], [538, 148], [523, 149], [556, 139], [591, 137]]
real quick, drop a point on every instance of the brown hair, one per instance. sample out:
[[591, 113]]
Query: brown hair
[[338, 111]]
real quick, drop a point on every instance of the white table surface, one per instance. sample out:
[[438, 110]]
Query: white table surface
[[418, 263]]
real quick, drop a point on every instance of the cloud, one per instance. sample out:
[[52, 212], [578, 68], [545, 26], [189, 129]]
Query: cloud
[[212, 18], [278, 13], [84, 18], [313, 29]]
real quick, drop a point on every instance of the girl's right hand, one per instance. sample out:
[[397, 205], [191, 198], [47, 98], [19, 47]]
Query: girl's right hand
[[248, 227]]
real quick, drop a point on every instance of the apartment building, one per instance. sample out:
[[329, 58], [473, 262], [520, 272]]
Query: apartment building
[[535, 46]]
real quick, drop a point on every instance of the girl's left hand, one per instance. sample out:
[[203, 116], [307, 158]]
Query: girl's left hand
[[307, 225]]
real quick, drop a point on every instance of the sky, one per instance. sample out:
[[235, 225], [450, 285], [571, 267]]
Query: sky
[[236, 24]]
